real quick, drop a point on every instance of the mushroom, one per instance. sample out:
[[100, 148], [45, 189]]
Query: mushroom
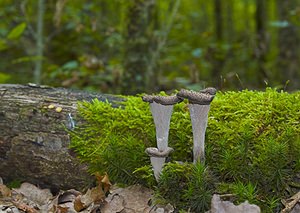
[[157, 159], [161, 109], [199, 105]]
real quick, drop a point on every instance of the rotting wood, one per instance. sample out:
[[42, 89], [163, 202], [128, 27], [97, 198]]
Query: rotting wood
[[34, 139]]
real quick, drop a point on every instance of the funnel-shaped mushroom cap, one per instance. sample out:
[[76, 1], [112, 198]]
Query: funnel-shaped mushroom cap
[[154, 152], [196, 97], [163, 100]]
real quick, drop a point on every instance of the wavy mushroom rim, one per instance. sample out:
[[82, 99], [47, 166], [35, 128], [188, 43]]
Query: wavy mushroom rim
[[167, 100], [209, 91], [148, 98], [154, 152], [163, 100], [195, 97]]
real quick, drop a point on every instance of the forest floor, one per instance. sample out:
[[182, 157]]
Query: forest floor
[[103, 198], [107, 198]]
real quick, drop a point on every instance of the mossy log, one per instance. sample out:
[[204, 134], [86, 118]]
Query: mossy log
[[34, 139]]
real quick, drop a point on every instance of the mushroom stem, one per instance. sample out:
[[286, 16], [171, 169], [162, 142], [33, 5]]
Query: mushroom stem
[[157, 165], [199, 117], [161, 115]]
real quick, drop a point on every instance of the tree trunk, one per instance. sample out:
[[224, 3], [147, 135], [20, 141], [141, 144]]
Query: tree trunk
[[34, 139], [261, 41], [137, 47], [218, 20], [39, 42], [218, 51], [288, 45]]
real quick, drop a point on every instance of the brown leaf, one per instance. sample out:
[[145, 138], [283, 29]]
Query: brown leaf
[[62, 209], [115, 204], [4, 191], [25, 207], [35, 194], [98, 177], [106, 183], [93, 195], [78, 205], [103, 181], [96, 194]]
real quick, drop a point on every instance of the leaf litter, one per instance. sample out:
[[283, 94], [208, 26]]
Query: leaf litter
[[29, 198], [103, 198]]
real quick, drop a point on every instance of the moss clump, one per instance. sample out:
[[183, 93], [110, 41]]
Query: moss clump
[[186, 186], [252, 145]]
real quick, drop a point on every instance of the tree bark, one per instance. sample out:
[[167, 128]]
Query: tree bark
[[261, 41], [218, 61], [288, 45], [137, 47], [39, 42], [34, 137]]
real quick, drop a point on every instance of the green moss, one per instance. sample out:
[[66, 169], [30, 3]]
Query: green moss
[[252, 138], [14, 184]]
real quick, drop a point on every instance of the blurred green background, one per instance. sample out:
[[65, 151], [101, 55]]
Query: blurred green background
[[134, 46]]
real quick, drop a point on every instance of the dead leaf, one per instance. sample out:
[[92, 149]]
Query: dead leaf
[[34, 194], [4, 191], [78, 205], [93, 195], [62, 209], [116, 204], [103, 181], [136, 198], [106, 183], [290, 203], [67, 196], [25, 208]]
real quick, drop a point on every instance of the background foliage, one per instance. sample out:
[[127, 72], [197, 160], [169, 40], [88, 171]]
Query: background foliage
[[252, 148], [133, 46]]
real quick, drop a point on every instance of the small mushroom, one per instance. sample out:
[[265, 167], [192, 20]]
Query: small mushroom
[[158, 159], [199, 105], [161, 109]]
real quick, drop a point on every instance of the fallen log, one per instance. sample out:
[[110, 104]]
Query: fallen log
[[34, 139]]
